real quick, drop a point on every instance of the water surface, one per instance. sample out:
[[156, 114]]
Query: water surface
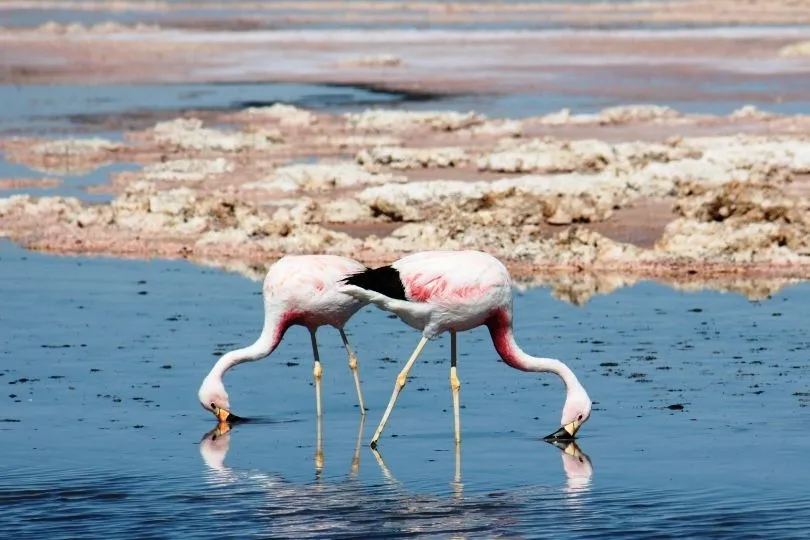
[[699, 424]]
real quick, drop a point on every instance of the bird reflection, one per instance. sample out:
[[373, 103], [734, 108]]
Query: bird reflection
[[577, 466], [214, 446], [339, 506], [216, 442]]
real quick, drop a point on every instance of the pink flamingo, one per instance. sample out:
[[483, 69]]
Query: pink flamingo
[[298, 290], [441, 291]]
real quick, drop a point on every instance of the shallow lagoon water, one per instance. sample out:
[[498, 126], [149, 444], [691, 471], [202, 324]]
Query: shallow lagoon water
[[101, 431], [40, 109]]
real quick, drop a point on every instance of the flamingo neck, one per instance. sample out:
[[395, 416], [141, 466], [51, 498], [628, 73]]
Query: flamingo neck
[[500, 328], [275, 325]]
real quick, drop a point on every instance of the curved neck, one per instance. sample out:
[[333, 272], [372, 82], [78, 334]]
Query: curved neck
[[275, 325], [500, 328]]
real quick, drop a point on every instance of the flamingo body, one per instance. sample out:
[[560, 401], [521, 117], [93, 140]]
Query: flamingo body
[[298, 290], [439, 291], [455, 291], [302, 290]]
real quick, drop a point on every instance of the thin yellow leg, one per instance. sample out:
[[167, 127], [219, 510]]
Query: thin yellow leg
[[402, 378], [353, 367], [317, 372], [455, 384]]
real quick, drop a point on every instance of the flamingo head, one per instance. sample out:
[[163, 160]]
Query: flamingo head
[[576, 411], [214, 398]]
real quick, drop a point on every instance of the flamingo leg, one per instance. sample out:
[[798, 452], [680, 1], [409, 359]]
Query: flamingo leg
[[458, 487], [455, 384], [318, 447], [353, 367], [402, 378], [356, 457], [317, 372]]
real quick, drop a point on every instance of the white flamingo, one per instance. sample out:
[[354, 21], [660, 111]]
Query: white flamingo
[[298, 290], [454, 291]]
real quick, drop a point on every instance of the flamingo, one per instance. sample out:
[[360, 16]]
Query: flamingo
[[454, 291], [298, 290]]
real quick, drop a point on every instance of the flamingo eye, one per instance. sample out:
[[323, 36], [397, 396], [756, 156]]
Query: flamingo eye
[[579, 418], [213, 406]]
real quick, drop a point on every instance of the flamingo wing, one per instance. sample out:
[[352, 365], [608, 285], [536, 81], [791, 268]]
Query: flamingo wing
[[451, 277]]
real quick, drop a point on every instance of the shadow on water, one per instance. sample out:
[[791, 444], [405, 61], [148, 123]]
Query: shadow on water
[[49, 110]]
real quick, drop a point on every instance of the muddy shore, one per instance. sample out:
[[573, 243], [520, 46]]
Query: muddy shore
[[586, 201], [549, 194]]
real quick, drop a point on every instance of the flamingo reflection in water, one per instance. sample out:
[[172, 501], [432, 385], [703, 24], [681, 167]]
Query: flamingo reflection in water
[[339, 505]]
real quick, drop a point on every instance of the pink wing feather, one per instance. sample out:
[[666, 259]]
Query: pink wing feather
[[452, 277]]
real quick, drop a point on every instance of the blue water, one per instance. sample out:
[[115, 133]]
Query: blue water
[[34, 109], [102, 436], [72, 184]]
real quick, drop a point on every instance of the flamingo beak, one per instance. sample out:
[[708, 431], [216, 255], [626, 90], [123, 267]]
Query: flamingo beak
[[567, 432], [226, 416], [221, 414]]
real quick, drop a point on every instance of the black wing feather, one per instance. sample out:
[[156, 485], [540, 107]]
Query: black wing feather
[[384, 280]]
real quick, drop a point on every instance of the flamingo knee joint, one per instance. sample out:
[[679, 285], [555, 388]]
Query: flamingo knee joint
[[455, 384], [402, 378]]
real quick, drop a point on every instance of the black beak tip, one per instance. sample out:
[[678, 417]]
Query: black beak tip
[[233, 419], [559, 435]]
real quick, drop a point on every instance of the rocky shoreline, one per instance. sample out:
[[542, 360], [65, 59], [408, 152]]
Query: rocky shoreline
[[536, 192]]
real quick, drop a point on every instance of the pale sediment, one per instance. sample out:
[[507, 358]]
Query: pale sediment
[[563, 210]]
